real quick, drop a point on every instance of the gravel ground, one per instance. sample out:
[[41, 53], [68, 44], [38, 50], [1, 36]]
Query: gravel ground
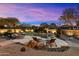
[[14, 50]]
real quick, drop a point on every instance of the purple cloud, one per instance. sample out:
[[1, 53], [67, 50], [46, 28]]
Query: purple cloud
[[29, 13]]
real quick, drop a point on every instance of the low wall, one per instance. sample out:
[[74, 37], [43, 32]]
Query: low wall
[[12, 30], [71, 32]]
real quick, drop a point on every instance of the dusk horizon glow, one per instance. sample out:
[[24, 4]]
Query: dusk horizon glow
[[35, 13]]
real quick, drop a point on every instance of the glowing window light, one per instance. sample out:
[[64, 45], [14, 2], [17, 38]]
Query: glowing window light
[[3, 30], [26, 30], [18, 30], [21, 31]]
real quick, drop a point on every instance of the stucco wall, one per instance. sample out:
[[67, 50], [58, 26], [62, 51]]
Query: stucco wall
[[71, 32]]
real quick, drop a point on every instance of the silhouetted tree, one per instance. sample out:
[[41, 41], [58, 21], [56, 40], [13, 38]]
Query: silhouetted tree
[[9, 22], [77, 23], [44, 25], [52, 26], [68, 16]]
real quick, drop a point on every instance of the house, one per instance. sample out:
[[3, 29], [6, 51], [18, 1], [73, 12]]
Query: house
[[70, 30], [51, 30]]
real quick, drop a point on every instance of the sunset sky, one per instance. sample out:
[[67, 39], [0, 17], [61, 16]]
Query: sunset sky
[[33, 13]]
